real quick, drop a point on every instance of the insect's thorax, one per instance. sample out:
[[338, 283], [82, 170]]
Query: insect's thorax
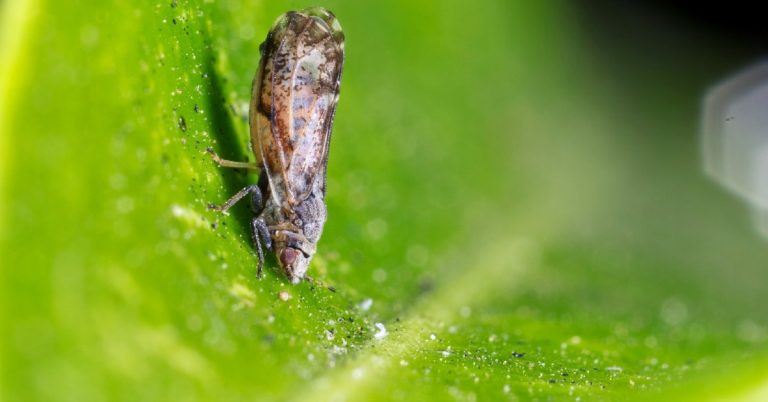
[[305, 220]]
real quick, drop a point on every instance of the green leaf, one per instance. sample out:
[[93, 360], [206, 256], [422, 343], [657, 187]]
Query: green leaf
[[517, 212]]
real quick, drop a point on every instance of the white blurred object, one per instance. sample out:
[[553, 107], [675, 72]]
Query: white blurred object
[[735, 137]]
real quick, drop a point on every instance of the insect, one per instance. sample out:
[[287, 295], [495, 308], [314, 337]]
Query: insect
[[293, 102]]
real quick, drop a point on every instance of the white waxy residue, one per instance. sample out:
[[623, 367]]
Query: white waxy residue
[[382, 331], [366, 304]]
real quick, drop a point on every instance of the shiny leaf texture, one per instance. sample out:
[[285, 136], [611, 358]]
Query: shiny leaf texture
[[516, 211]]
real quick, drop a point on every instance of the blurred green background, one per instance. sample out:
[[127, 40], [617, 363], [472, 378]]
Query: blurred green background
[[515, 197]]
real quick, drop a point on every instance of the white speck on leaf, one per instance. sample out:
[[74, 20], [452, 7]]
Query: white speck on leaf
[[366, 304], [382, 331], [188, 216]]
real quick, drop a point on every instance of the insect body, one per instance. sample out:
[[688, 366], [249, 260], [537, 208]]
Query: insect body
[[294, 98]]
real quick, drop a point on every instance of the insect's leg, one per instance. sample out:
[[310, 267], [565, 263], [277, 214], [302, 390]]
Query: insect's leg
[[261, 227], [257, 201], [252, 189], [232, 164], [258, 234]]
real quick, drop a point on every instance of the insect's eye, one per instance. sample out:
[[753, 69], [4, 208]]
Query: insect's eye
[[262, 47], [288, 256]]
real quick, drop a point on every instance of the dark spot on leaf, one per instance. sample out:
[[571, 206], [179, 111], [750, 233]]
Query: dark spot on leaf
[[182, 124], [518, 354], [552, 381]]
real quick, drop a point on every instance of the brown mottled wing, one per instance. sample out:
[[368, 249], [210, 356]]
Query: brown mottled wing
[[297, 90]]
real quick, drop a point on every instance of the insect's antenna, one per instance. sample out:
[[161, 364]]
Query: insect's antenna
[[311, 280], [319, 283]]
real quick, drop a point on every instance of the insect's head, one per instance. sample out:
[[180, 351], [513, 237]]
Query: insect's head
[[294, 262]]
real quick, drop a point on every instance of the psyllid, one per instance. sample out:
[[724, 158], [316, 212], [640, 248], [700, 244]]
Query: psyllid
[[293, 102]]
